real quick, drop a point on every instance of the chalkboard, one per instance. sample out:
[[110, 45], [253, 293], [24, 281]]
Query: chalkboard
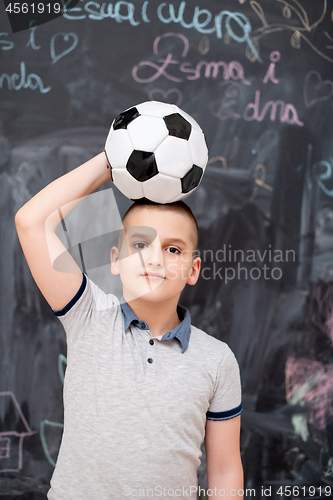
[[258, 78]]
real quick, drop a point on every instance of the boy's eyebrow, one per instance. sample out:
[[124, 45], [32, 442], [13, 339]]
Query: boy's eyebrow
[[141, 235], [175, 240], [167, 240]]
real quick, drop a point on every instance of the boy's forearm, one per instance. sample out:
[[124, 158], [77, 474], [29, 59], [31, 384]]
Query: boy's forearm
[[69, 188], [228, 484]]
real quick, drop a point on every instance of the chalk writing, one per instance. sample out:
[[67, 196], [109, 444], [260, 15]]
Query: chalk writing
[[177, 71], [23, 81], [231, 150], [259, 175], [144, 12], [31, 43], [230, 99], [11, 440], [255, 111], [226, 24], [287, 114], [240, 22], [270, 75], [204, 45], [324, 176], [62, 362], [172, 96], [43, 424], [315, 89], [222, 159], [5, 44], [120, 11], [72, 38], [301, 28]]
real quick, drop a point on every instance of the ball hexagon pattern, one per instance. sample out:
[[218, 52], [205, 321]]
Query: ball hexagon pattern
[[157, 152]]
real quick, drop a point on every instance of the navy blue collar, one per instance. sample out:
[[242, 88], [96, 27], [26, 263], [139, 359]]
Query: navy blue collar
[[182, 332]]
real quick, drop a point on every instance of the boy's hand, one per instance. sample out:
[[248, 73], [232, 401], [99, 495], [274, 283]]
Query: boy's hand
[[37, 220]]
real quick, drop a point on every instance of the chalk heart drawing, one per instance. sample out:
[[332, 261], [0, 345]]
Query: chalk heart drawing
[[69, 39], [171, 96], [319, 89]]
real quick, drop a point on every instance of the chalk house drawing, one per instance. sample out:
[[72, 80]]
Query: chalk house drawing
[[13, 430]]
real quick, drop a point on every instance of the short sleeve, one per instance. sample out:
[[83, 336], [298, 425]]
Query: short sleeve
[[227, 400], [85, 309]]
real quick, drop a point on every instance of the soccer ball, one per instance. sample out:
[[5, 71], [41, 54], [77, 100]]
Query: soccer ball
[[156, 152]]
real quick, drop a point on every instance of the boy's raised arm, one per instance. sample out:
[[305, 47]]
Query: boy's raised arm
[[37, 220]]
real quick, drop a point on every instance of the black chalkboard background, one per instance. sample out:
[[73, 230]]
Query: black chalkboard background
[[258, 77]]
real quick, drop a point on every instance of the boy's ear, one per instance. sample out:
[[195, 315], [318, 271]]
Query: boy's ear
[[114, 257], [195, 270]]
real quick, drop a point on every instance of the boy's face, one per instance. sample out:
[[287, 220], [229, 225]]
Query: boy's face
[[155, 259]]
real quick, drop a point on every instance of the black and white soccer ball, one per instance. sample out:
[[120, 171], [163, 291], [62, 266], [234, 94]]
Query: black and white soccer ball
[[156, 152]]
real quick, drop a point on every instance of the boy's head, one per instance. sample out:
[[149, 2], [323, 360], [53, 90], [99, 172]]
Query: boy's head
[[156, 249], [178, 207]]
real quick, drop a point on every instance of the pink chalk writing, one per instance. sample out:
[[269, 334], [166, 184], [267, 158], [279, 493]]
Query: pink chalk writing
[[257, 110], [288, 113], [177, 69], [172, 96], [270, 75]]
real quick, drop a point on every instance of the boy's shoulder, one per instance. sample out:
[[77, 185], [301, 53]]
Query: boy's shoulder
[[209, 345], [103, 300]]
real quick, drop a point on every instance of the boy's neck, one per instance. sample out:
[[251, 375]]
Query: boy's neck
[[161, 317]]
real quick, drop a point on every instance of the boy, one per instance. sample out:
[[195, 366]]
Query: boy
[[143, 387]]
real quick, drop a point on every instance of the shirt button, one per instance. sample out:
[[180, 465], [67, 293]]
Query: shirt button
[[151, 342], [150, 360]]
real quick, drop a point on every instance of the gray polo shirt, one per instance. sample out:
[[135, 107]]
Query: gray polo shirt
[[136, 405]]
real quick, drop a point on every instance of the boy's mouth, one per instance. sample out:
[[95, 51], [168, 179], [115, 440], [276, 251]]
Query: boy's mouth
[[153, 276]]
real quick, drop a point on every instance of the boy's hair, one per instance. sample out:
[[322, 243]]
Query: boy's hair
[[177, 206]]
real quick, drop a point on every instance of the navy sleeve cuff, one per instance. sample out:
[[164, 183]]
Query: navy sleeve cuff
[[73, 301], [224, 415]]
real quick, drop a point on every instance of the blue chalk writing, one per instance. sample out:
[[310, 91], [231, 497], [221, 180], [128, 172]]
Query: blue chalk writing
[[31, 43], [69, 14], [235, 24], [23, 81], [43, 438], [224, 16], [62, 362], [72, 38], [325, 175], [144, 12], [5, 44], [97, 12], [120, 11], [173, 18]]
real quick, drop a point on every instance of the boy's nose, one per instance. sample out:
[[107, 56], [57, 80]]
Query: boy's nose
[[155, 256]]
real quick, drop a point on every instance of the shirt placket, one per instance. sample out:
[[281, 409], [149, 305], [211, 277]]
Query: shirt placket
[[151, 356]]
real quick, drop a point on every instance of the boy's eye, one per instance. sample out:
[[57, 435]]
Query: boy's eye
[[173, 250], [140, 245]]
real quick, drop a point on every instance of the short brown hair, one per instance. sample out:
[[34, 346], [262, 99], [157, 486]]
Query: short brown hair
[[177, 206]]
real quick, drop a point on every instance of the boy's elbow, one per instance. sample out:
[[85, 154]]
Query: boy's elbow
[[19, 219], [23, 219]]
